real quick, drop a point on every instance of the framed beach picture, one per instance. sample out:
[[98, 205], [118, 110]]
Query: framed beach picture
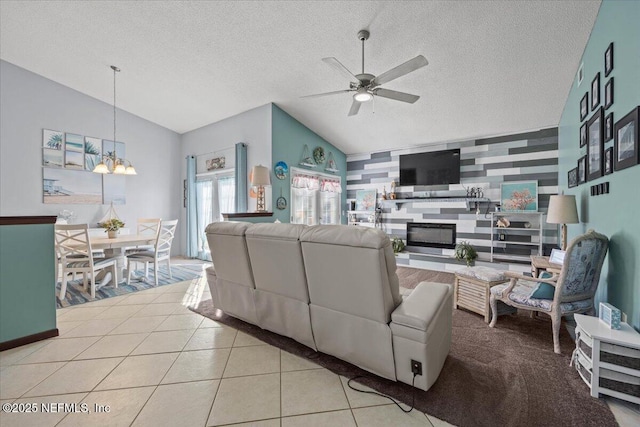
[[519, 196], [595, 145], [64, 186], [572, 177], [52, 139], [73, 142], [582, 170], [366, 200], [626, 134], [92, 152], [73, 160], [595, 92], [52, 158]]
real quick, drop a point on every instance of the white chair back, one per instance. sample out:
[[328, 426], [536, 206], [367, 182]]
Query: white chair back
[[149, 226], [165, 237], [72, 241]]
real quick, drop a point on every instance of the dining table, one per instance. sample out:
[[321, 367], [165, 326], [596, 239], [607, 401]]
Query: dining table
[[115, 248]]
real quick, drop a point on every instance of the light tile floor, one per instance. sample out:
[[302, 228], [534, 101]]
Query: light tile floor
[[153, 362], [146, 360]]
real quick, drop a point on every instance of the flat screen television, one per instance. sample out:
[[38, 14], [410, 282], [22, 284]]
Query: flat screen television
[[432, 168]]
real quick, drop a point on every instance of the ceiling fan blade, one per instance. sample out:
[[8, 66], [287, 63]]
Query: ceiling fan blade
[[399, 71], [398, 96], [335, 92], [333, 62], [355, 107]]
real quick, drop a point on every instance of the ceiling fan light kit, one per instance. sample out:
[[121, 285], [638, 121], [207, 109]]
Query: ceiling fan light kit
[[366, 85]]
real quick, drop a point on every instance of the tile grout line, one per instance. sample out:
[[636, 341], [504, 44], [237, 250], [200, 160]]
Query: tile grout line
[[219, 385]]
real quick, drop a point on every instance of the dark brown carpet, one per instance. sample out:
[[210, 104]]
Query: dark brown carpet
[[506, 376]]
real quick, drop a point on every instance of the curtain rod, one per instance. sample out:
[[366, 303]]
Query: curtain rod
[[216, 151]]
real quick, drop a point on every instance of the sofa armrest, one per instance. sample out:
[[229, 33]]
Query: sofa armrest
[[418, 310]]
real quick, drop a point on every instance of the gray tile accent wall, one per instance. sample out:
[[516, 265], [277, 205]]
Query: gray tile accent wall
[[486, 163]]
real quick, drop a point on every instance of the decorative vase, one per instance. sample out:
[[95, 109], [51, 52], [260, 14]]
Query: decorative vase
[[112, 234]]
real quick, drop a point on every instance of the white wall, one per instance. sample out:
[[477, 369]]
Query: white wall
[[29, 103], [252, 127]]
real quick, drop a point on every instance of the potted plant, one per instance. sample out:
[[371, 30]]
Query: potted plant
[[464, 251], [397, 244], [112, 227]]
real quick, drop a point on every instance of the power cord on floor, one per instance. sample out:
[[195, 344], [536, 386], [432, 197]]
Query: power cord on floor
[[413, 393]]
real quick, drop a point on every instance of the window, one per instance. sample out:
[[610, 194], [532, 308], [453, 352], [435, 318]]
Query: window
[[215, 195], [315, 198]]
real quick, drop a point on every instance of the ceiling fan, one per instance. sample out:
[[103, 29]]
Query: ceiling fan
[[366, 85]]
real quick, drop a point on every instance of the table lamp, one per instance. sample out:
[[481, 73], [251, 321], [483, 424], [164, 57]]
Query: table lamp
[[562, 210], [260, 178]]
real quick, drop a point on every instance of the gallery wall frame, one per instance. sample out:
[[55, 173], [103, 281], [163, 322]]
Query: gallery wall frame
[[582, 170], [608, 60], [572, 177], [595, 145], [595, 92], [608, 94], [584, 106], [626, 136]]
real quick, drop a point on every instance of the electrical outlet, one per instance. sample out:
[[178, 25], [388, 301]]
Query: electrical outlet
[[416, 367]]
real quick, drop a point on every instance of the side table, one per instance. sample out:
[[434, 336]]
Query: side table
[[608, 360], [540, 263], [473, 288]]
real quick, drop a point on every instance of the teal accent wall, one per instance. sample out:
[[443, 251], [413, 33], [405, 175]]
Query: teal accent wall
[[288, 137], [615, 214], [27, 289]]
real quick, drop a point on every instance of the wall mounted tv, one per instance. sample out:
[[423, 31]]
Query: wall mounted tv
[[431, 168]]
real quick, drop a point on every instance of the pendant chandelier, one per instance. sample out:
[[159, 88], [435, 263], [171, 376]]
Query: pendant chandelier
[[110, 163]]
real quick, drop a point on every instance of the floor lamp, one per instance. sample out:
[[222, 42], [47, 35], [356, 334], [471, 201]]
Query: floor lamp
[[260, 178], [563, 210]]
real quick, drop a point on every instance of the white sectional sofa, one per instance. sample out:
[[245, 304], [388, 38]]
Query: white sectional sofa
[[334, 289]]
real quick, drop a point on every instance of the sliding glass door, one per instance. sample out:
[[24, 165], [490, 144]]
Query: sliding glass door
[[215, 195]]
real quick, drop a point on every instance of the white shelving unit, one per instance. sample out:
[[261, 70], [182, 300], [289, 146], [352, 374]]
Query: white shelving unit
[[362, 218], [535, 219], [608, 360], [468, 200]]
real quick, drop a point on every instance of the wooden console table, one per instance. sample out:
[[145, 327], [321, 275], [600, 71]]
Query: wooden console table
[[540, 263]]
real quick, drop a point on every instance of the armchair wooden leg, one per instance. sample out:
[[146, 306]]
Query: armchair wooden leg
[[556, 321], [494, 310], [591, 311]]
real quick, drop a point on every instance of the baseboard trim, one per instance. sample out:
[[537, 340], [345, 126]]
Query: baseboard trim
[[7, 345]]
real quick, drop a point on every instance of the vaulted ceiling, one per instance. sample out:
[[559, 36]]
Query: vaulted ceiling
[[494, 67]]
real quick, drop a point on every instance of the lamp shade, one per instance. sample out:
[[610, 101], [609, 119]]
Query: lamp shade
[[260, 176], [562, 210]]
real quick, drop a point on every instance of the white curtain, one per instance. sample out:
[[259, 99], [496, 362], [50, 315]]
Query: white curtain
[[226, 195], [315, 199]]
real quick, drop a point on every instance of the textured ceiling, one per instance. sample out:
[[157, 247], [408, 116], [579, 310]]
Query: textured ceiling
[[494, 67]]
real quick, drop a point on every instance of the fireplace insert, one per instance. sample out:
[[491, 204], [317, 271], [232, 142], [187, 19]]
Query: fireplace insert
[[431, 235]]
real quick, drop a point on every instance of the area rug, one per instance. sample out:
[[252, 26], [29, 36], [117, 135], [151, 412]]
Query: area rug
[[505, 376], [77, 295]]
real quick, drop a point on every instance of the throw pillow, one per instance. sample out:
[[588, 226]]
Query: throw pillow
[[543, 290]]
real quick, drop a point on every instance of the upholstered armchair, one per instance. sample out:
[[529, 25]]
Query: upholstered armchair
[[572, 291]]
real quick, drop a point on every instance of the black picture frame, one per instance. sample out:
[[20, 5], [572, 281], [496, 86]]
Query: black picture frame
[[626, 134], [595, 92], [582, 170], [608, 60], [608, 161], [572, 177], [608, 94], [584, 106], [595, 145], [583, 135], [608, 127]]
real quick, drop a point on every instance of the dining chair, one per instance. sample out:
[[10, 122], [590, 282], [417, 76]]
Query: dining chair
[[146, 227], [572, 291], [74, 247], [160, 252]]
